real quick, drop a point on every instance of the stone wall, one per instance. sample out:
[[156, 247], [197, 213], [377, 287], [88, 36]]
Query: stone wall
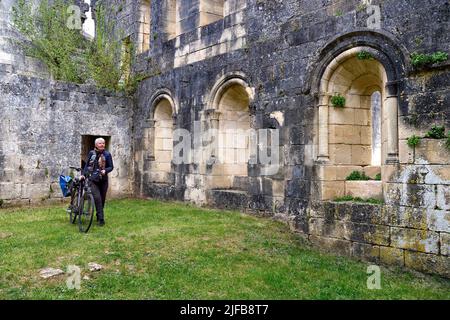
[[417, 238], [276, 60], [285, 49], [41, 128]]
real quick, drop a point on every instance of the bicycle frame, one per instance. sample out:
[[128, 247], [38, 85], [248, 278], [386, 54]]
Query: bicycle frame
[[82, 188]]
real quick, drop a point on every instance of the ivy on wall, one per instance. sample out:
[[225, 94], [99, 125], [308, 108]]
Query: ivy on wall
[[68, 55]]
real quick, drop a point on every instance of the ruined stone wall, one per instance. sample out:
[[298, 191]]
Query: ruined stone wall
[[42, 123], [280, 62], [280, 50], [41, 128]]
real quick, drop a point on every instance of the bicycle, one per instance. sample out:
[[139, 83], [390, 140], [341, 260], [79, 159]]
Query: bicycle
[[81, 203]]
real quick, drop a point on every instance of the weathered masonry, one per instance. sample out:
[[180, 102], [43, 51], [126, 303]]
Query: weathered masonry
[[247, 65]]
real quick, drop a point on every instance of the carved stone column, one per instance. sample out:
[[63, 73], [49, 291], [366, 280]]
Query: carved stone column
[[213, 118], [149, 140], [323, 152], [391, 109]]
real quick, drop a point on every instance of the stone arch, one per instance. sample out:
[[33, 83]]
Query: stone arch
[[161, 120], [382, 45], [345, 136], [229, 120]]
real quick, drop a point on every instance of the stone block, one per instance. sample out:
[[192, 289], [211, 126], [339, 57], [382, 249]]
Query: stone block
[[416, 240], [366, 135], [442, 173], [361, 213], [372, 171], [341, 116], [443, 197], [445, 243], [406, 153], [364, 189], [366, 251], [367, 233], [331, 190], [362, 117], [9, 191], [361, 155], [337, 246], [327, 228], [393, 256], [432, 151], [428, 263], [340, 154], [344, 134], [322, 209]]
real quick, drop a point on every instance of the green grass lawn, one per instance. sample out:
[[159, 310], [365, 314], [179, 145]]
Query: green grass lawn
[[156, 250]]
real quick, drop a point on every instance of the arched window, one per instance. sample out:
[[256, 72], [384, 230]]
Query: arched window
[[230, 121], [376, 127], [144, 26], [171, 18], [163, 145], [360, 135]]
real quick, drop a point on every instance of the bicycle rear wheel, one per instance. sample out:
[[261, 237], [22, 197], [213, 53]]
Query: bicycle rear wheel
[[86, 213], [73, 208]]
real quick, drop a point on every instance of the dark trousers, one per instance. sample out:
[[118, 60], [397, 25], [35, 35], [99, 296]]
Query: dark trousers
[[99, 190]]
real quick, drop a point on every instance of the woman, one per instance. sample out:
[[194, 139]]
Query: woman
[[98, 164]]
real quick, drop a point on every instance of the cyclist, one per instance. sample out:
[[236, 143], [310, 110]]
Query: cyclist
[[98, 164]]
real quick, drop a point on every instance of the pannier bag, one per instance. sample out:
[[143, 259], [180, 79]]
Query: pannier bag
[[65, 182]]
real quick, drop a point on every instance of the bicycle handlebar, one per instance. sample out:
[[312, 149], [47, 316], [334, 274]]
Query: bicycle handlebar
[[75, 168]]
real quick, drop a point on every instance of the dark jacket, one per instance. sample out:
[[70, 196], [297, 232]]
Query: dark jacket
[[91, 165]]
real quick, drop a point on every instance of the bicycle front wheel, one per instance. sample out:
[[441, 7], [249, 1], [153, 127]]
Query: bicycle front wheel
[[86, 213]]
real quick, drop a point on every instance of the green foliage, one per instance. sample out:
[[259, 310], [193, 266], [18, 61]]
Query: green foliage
[[358, 199], [68, 55], [357, 176], [378, 177], [413, 141], [1, 202], [50, 40], [364, 55], [420, 60], [102, 55], [436, 132], [338, 101]]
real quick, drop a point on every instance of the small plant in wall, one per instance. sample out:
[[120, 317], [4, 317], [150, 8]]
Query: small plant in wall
[[338, 101], [357, 176], [364, 55], [421, 60], [413, 141], [436, 132]]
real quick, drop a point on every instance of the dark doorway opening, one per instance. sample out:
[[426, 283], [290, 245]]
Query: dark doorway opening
[[88, 144]]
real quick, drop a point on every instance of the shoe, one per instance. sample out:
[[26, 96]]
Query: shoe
[[101, 223]]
